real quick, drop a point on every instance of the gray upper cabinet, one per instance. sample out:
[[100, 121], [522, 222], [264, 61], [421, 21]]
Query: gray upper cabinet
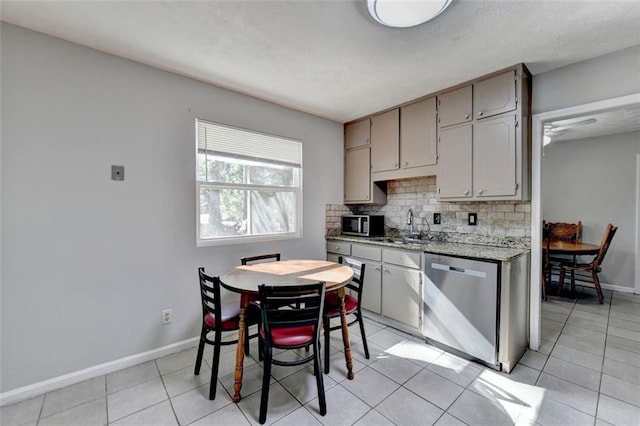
[[358, 186], [489, 160], [385, 139], [495, 95], [494, 157], [455, 107], [356, 175], [357, 134], [418, 134], [474, 137], [455, 161]]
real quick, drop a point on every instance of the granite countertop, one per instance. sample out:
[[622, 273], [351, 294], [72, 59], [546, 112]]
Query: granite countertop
[[477, 251]]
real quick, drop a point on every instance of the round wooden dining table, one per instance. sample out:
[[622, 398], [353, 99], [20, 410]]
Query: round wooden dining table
[[246, 279], [577, 248]]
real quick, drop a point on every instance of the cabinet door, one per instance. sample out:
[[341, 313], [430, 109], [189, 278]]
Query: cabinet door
[[372, 289], [357, 134], [455, 156], [357, 177], [495, 95], [494, 157], [401, 295], [455, 107], [385, 141], [418, 134]]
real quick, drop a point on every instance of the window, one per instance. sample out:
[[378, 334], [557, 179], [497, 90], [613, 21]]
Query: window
[[249, 185]]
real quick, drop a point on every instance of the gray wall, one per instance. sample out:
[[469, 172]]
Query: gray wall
[[89, 263], [594, 180], [605, 77]]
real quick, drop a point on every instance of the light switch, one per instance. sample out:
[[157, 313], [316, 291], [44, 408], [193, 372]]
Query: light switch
[[117, 172]]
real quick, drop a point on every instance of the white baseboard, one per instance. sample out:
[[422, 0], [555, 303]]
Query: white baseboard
[[605, 286], [29, 391], [614, 287]]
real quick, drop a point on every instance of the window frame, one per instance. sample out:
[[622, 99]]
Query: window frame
[[248, 187]]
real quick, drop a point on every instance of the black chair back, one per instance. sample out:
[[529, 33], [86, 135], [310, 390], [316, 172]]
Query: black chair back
[[252, 259], [210, 295], [277, 312], [357, 282]]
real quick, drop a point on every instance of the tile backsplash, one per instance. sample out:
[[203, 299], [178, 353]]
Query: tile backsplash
[[499, 223]]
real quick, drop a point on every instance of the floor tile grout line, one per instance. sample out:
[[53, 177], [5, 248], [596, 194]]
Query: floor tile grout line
[[44, 398], [164, 385], [106, 399], [560, 402], [604, 352]]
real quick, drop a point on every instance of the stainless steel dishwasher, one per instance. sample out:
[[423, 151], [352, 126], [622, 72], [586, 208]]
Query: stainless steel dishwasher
[[461, 310]]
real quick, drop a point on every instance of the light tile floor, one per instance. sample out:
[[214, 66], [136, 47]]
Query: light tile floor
[[587, 372]]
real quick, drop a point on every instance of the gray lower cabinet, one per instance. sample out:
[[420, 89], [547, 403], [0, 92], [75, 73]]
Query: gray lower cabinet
[[393, 283], [371, 257], [402, 295]]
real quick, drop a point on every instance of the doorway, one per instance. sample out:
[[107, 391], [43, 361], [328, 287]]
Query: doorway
[[538, 122]]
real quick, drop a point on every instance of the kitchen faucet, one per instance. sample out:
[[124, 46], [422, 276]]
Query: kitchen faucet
[[412, 232]]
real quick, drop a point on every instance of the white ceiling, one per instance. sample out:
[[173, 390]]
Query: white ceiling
[[599, 123], [330, 58]]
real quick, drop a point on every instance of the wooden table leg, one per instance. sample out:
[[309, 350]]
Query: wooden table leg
[[237, 377], [345, 334]]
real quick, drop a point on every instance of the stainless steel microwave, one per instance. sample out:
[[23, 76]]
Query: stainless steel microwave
[[363, 225]]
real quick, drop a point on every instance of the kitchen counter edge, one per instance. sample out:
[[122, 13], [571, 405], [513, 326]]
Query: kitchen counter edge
[[476, 251]]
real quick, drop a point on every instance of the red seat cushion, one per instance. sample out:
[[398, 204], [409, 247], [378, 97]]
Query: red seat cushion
[[292, 336], [230, 317], [332, 304]]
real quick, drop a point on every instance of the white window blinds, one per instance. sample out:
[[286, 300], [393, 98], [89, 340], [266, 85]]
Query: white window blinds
[[230, 141]]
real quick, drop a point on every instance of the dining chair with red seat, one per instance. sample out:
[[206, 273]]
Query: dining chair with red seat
[[588, 271], [284, 327], [353, 306], [217, 317]]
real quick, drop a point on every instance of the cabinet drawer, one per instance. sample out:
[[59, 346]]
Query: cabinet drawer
[[366, 252], [404, 258], [339, 248]]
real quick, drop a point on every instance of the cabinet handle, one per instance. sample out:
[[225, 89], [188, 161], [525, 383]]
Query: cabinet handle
[[386, 271], [377, 269], [480, 191], [480, 113], [395, 164], [406, 163], [466, 117], [466, 192], [366, 197]]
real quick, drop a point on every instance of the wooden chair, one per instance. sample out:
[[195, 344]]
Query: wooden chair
[[559, 231], [546, 268], [289, 328], [563, 231], [353, 306], [217, 318], [252, 259], [588, 271]]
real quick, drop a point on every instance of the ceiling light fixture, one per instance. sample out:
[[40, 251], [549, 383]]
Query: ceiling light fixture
[[405, 13]]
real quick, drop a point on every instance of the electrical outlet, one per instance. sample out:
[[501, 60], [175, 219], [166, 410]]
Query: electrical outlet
[[437, 218], [473, 219], [166, 317]]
